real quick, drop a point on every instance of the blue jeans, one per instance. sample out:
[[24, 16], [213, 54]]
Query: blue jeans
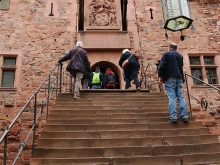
[[173, 88], [96, 87], [134, 75]]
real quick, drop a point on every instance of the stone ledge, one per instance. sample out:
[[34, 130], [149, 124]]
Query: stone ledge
[[104, 40]]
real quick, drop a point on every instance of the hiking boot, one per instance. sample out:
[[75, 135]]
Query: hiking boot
[[173, 121], [76, 98], [185, 120]]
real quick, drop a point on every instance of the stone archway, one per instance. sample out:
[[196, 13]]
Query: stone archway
[[105, 64]]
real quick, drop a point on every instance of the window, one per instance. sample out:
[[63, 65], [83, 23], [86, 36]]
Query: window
[[204, 68], [8, 70], [4, 4]]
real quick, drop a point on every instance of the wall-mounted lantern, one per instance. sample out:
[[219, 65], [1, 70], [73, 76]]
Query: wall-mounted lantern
[[176, 15]]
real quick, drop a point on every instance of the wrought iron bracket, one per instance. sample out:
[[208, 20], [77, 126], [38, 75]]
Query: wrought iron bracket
[[204, 104]]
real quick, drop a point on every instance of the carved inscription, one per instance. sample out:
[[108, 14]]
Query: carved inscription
[[102, 13]]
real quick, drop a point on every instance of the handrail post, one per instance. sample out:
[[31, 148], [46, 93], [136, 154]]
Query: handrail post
[[35, 116], [48, 95], [5, 149], [145, 81], [188, 95], [57, 82], [60, 76]]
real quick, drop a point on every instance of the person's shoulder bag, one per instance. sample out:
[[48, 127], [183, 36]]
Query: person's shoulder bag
[[68, 68], [126, 62]]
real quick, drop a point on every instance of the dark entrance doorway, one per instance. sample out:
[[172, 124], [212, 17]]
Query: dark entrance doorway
[[103, 66]]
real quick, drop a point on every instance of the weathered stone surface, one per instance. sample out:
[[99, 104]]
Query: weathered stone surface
[[196, 107], [9, 102]]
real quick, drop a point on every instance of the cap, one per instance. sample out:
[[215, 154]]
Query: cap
[[125, 50], [79, 43]]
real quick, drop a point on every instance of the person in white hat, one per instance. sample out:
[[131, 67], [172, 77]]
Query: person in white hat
[[78, 57], [131, 70]]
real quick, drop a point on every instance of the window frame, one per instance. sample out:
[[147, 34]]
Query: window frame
[[4, 5], [204, 66], [17, 56]]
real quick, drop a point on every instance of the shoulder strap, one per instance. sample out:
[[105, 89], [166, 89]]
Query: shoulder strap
[[130, 56], [75, 54]]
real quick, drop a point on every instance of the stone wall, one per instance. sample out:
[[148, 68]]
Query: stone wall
[[42, 39], [205, 39]]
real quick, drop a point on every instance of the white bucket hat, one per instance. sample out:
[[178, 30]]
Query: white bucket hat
[[79, 43], [125, 50]]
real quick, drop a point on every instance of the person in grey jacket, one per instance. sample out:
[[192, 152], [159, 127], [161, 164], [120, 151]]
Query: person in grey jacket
[[78, 57]]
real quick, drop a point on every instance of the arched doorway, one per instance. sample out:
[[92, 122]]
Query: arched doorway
[[105, 64]]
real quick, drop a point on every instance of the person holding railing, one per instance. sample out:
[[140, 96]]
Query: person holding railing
[[77, 57], [170, 72]]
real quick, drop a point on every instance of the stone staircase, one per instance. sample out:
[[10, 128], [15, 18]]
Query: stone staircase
[[121, 127]]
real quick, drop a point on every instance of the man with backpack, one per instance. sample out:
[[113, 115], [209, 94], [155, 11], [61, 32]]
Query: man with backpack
[[96, 79]]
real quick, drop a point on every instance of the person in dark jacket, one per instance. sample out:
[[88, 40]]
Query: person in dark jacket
[[171, 74], [77, 57], [110, 79], [131, 71], [96, 80], [86, 76]]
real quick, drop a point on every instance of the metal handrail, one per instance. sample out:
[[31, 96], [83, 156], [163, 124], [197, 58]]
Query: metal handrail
[[144, 78], [22, 109], [203, 82], [189, 95], [58, 83]]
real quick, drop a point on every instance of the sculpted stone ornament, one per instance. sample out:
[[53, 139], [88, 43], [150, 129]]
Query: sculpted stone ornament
[[102, 13]]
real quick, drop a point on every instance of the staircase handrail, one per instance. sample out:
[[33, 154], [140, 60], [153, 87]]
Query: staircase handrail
[[33, 96], [202, 81], [144, 78], [188, 93]]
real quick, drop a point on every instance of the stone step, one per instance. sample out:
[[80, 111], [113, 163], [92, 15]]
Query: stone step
[[103, 99], [106, 102], [109, 106], [98, 116], [126, 134], [109, 115], [125, 151], [192, 124], [114, 111], [191, 159], [115, 93], [115, 97], [186, 149], [110, 121], [115, 108], [64, 143], [136, 126], [98, 143]]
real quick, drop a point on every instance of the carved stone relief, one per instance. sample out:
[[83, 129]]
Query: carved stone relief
[[102, 14]]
